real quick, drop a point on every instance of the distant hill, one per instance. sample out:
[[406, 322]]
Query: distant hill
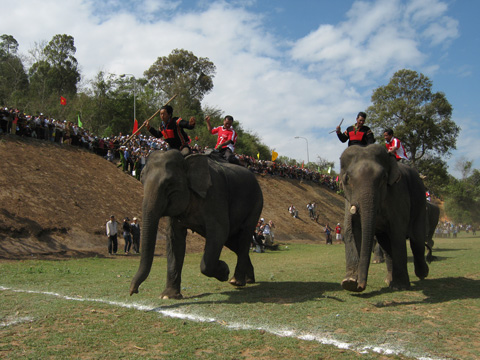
[[55, 200]]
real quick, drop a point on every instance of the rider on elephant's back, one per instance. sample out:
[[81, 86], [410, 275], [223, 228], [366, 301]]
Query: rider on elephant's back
[[172, 129], [357, 134]]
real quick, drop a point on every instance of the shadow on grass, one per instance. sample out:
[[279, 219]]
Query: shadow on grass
[[288, 292], [436, 291]]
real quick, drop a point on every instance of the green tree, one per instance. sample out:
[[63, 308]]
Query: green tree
[[420, 118], [13, 77], [55, 74], [462, 204], [435, 175], [184, 74]]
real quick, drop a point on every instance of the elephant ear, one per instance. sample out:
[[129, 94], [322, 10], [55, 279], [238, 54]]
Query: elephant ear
[[394, 175], [198, 174]]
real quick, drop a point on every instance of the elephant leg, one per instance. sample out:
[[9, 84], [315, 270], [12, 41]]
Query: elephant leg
[[244, 272], [176, 245], [417, 244], [400, 278], [211, 264]]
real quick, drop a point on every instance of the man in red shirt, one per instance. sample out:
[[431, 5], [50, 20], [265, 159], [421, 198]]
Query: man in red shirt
[[227, 137], [394, 146]]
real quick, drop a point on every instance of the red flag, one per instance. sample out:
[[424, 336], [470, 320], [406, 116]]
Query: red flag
[[63, 101], [135, 126], [302, 164]]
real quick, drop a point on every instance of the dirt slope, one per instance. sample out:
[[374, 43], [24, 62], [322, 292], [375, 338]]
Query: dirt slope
[[55, 200]]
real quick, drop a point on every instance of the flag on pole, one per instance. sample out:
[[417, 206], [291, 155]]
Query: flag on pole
[[274, 155], [329, 169], [303, 164], [63, 101], [135, 126], [79, 121], [258, 156]]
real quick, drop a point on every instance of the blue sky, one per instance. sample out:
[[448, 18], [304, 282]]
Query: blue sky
[[284, 68]]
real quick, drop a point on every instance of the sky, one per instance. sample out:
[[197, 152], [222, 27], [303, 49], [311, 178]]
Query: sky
[[284, 68]]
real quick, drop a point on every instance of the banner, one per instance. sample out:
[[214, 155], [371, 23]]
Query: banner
[[63, 101], [79, 121], [274, 155]]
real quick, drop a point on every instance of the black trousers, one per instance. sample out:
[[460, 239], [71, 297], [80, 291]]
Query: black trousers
[[112, 244]]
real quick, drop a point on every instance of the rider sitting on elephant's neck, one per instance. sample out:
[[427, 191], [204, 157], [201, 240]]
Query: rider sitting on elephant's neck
[[357, 134], [172, 129]]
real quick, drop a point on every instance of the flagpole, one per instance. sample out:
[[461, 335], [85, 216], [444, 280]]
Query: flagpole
[[145, 122]]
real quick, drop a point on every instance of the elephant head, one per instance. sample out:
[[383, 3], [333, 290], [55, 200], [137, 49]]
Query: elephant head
[[366, 174], [168, 180]]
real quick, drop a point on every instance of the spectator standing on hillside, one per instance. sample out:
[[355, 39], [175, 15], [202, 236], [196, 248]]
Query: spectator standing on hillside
[[338, 232], [310, 211], [227, 138], [357, 134], [172, 129], [293, 211], [328, 234], [394, 146], [112, 235], [135, 228], [127, 236]]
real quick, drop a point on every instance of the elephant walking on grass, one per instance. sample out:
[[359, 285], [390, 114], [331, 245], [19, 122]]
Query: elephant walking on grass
[[220, 201], [386, 199]]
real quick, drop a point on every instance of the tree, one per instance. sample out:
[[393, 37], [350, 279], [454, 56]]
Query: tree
[[184, 74], [462, 203], [420, 118], [13, 78], [55, 73], [436, 178]]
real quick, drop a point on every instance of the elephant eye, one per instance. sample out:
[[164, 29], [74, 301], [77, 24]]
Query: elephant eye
[[345, 179]]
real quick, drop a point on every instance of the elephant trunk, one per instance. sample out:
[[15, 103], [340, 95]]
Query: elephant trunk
[[367, 221], [147, 250]]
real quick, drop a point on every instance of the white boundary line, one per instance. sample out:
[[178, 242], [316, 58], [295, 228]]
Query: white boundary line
[[321, 338]]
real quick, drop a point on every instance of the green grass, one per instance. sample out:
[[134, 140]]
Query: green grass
[[80, 309]]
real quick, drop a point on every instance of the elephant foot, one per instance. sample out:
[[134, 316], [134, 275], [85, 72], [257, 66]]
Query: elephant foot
[[171, 294], [236, 282], [399, 286], [250, 280], [351, 284], [222, 272], [422, 271]]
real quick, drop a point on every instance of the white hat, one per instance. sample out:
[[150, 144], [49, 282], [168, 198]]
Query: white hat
[[262, 219], [338, 224]]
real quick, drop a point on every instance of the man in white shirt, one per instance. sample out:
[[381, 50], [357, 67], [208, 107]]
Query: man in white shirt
[[111, 228]]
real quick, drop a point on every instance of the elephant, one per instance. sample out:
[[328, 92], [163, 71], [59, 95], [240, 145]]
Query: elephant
[[433, 215], [386, 199], [220, 201]]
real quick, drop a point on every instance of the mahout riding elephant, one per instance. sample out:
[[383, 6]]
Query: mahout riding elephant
[[433, 215], [220, 201], [386, 199]]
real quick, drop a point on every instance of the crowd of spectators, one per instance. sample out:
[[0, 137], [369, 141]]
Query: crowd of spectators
[[132, 154]]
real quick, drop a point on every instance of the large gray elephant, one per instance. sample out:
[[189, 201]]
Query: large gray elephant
[[386, 199], [220, 201]]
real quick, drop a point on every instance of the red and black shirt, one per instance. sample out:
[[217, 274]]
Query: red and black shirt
[[362, 136]]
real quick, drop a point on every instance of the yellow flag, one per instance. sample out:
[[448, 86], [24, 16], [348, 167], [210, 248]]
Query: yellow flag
[[258, 156], [274, 155]]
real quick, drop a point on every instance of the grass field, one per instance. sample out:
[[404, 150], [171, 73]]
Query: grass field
[[80, 309]]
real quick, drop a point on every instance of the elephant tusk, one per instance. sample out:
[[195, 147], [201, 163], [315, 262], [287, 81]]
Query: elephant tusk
[[353, 209]]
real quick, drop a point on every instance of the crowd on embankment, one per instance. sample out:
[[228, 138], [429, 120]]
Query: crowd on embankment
[[132, 154]]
